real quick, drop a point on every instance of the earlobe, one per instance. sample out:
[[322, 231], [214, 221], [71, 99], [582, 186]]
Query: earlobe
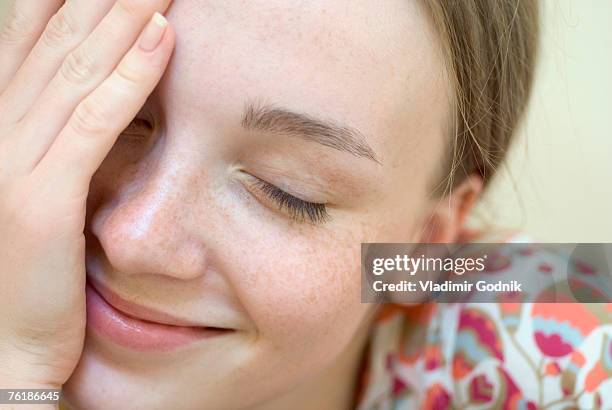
[[445, 221], [469, 192]]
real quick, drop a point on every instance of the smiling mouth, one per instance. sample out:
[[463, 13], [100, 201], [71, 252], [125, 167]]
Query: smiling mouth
[[137, 327]]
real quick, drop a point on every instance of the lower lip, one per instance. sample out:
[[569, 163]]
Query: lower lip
[[140, 334]]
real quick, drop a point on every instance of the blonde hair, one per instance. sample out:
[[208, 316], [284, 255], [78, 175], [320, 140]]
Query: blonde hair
[[490, 48]]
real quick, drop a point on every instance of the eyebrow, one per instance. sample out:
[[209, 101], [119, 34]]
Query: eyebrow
[[270, 118]]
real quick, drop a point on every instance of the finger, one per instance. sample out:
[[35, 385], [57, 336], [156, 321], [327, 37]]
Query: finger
[[25, 21], [62, 44], [82, 71], [96, 123], [74, 21]]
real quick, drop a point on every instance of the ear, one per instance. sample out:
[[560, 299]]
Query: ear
[[444, 223]]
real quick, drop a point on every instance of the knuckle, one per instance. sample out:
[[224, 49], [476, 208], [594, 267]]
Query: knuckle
[[78, 67], [133, 7], [17, 27], [89, 118], [60, 30], [129, 75]]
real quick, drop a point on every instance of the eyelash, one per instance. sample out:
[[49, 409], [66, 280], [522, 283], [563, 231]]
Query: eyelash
[[298, 209]]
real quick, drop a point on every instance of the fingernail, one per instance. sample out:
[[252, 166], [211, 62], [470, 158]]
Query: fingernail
[[153, 33]]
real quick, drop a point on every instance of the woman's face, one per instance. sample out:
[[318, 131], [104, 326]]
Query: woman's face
[[334, 102]]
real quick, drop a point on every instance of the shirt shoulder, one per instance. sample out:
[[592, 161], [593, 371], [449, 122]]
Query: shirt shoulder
[[491, 355]]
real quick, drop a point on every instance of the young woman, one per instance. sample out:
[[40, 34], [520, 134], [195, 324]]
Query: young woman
[[185, 232]]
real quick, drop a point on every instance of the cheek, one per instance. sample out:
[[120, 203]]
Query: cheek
[[304, 296]]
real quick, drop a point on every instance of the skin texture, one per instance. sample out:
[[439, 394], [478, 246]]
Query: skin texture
[[175, 222]]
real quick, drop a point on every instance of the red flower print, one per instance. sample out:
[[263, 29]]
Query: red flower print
[[559, 328], [512, 396], [552, 345], [481, 390], [545, 268], [584, 267], [497, 262], [437, 398], [552, 369], [595, 377], [477, 339]]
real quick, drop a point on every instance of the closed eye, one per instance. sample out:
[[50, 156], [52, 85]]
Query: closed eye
[[298, 209]]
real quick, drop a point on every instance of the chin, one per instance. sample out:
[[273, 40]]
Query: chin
[[109, 376], [101, 382]]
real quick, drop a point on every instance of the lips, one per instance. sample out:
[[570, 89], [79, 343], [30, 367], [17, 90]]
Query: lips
[[138, 327]]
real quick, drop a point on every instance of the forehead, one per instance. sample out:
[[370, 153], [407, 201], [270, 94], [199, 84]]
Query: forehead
[[373, 65]]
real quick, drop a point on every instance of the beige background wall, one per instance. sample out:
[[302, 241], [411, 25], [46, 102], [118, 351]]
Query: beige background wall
[[558, 183], [562, 166]]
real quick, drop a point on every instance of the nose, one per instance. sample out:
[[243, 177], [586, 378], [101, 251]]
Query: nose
[[148, 230]]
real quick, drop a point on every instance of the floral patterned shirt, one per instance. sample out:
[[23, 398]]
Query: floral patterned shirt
[[491, 355]]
